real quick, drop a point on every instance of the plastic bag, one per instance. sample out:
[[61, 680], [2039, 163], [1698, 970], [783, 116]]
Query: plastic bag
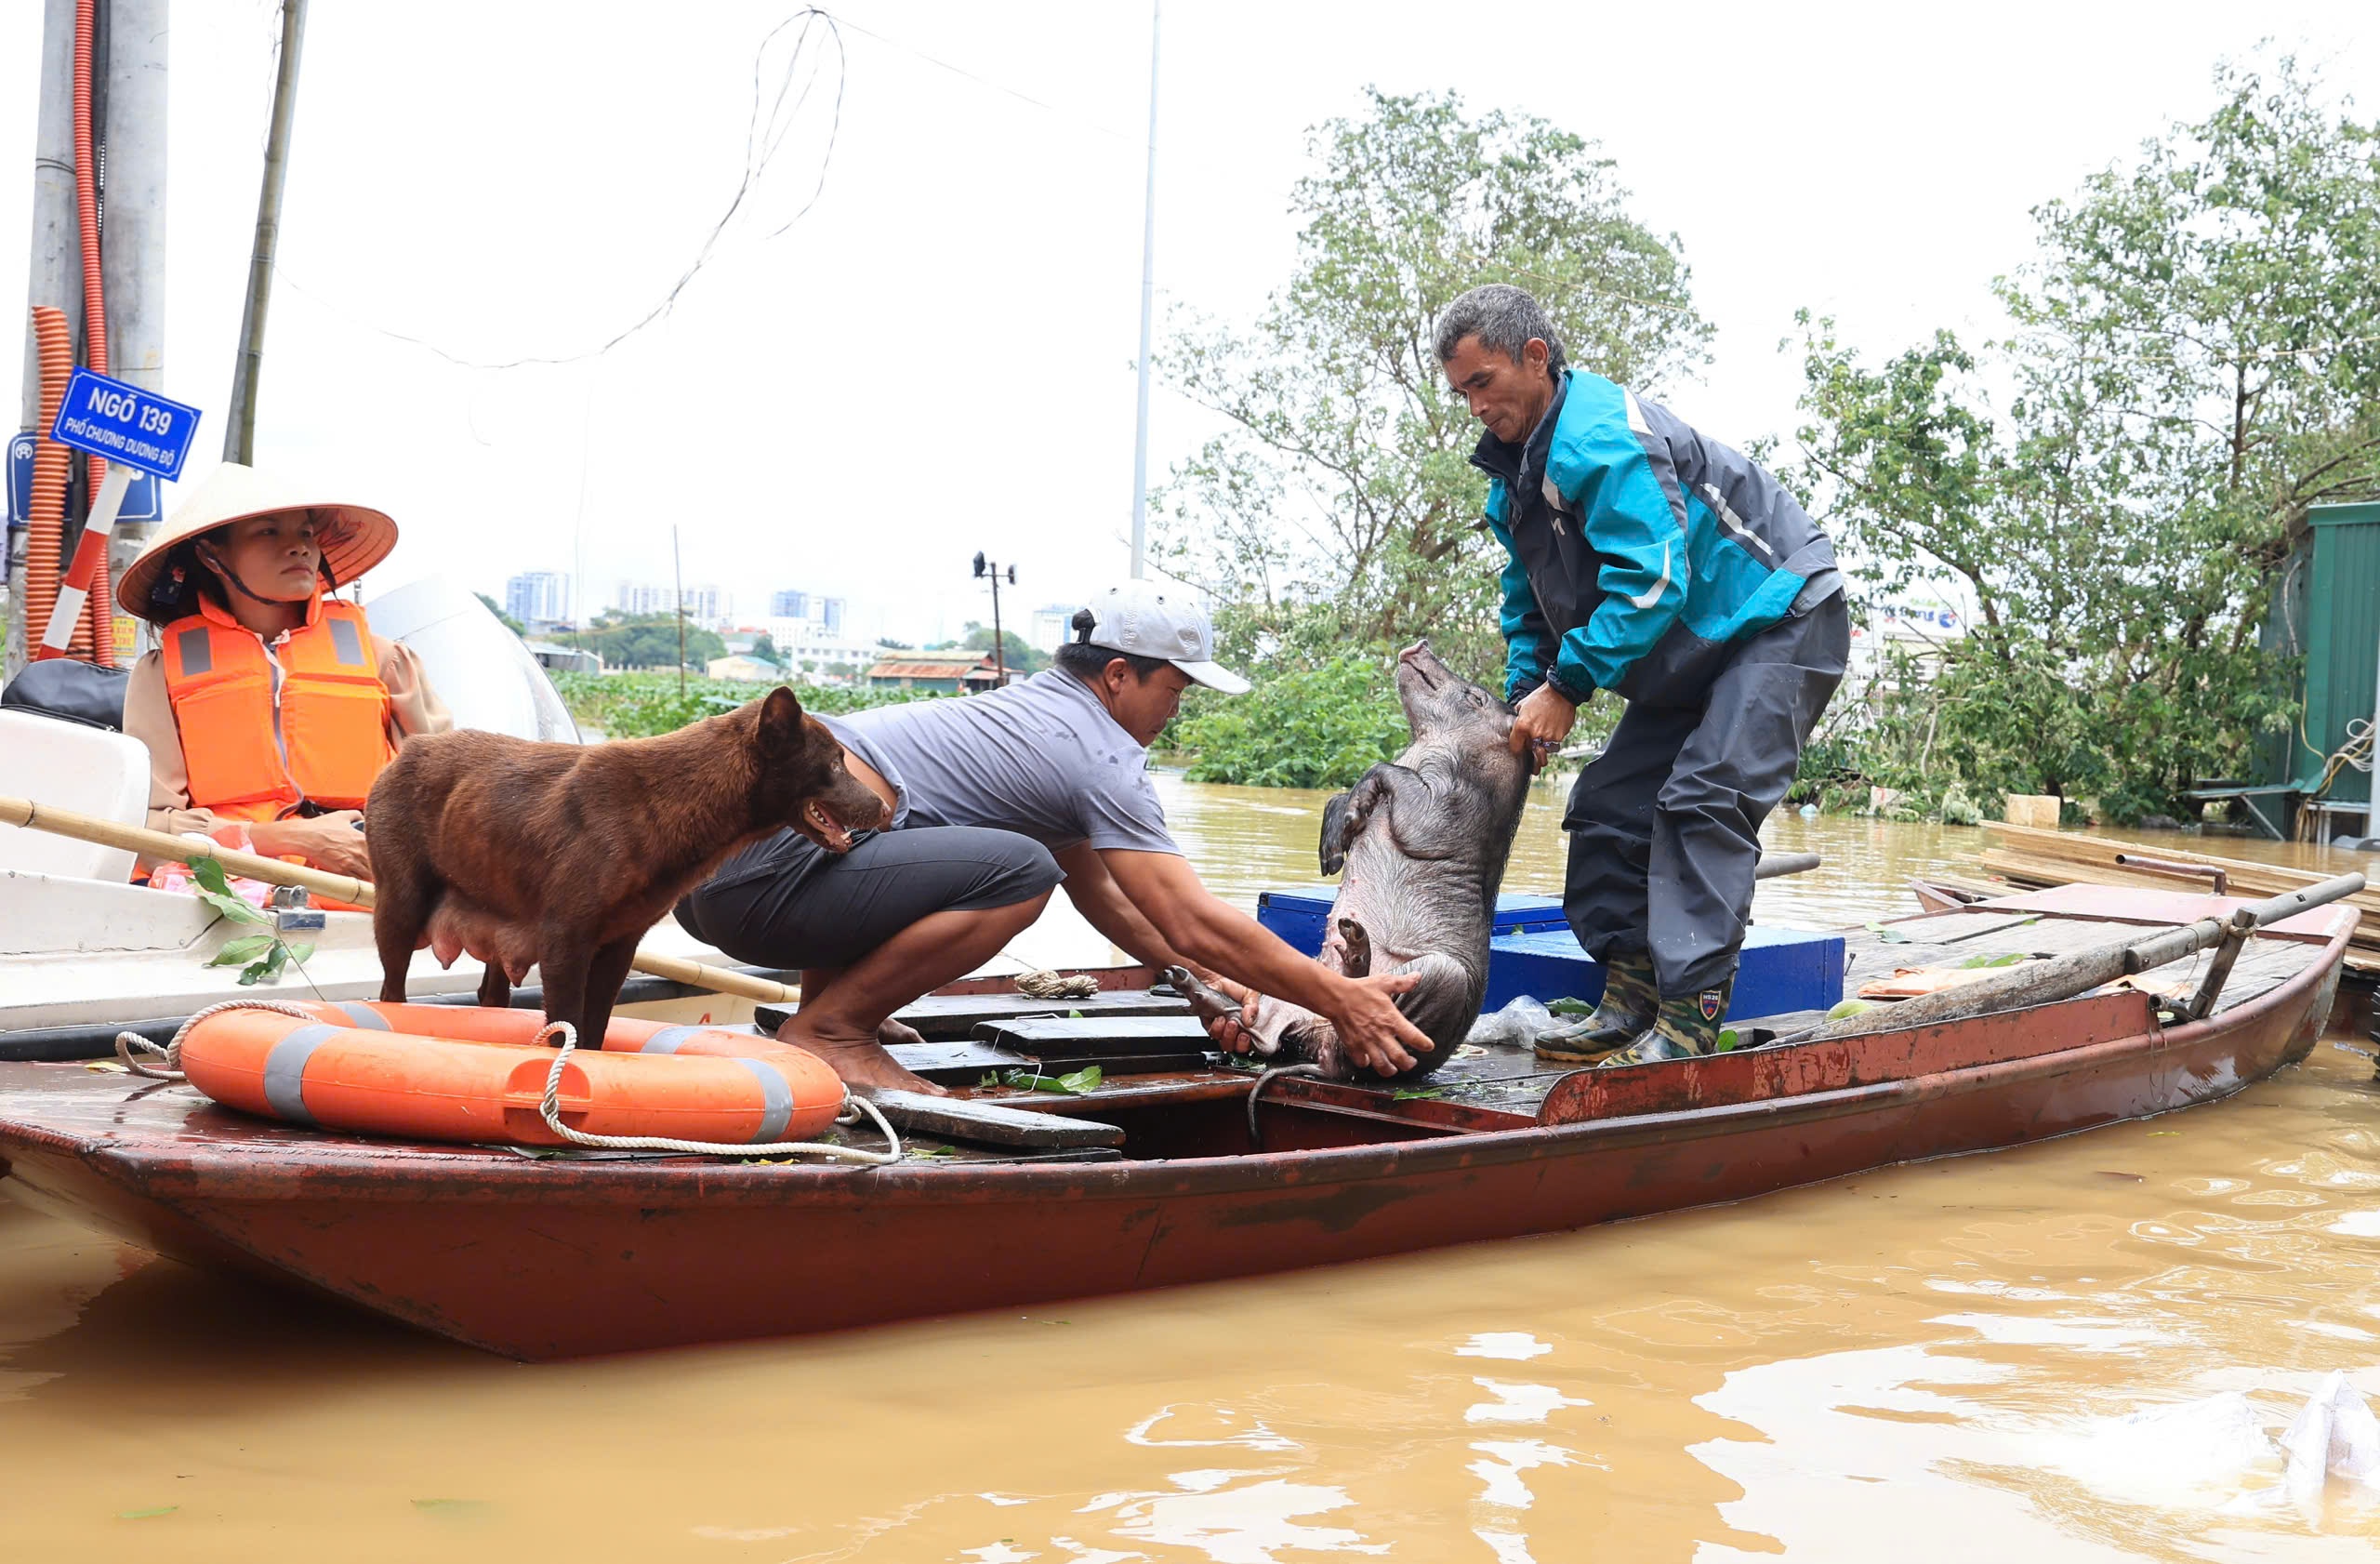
[[2336, 1435], [1518, 1025], [228, 833]]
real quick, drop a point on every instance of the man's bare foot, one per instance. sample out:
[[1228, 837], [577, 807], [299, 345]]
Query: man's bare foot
[[857, 1060]]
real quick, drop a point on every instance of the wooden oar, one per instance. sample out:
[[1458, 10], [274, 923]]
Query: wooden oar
[[338, 887], [2062, 977]]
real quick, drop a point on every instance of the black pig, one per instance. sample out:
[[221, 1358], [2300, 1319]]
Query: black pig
[[1423, 840]]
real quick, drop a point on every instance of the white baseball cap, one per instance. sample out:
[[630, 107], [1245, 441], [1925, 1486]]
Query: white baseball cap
[[1143, 621]]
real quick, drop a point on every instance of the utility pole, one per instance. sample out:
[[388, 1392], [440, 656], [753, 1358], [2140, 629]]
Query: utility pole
[[1000, 640], [132, 260], [132, 257], [54, 278], [240, 418], [1148, 304], [678, 574]]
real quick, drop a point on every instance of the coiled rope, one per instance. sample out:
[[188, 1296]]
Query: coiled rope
[[549, 1110], [171, 1070]]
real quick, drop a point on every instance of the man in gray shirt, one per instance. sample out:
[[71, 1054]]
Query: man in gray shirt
[[995, 797]]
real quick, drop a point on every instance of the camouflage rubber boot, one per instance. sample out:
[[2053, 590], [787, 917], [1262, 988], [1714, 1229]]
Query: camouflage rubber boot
[[1630, 1002], [1684, 1027]]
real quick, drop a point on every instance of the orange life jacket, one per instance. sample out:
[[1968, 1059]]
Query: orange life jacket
[[256, 753]]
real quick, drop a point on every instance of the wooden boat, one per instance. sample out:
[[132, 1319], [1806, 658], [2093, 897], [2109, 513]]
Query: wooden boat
[[1188, 1176]]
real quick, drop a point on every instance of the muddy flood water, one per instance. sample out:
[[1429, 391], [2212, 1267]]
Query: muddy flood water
[[2068, 1352]]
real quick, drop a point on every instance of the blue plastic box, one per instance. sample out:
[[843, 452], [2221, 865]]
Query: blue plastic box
[[1533, 952]]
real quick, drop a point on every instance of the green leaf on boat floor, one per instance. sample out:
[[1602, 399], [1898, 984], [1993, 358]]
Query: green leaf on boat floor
[[2010, 959], [1408, 1093], [1850, 1008], [1885, 932], [1074, 1085], [1568, 1006], [151, 1512]]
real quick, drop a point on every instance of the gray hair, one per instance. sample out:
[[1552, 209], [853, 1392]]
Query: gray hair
[[1503, 318]]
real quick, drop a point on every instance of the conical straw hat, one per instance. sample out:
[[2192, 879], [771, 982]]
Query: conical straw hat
[[354, 537]]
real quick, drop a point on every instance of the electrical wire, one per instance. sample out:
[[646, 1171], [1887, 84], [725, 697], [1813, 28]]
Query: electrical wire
[[763, 136]]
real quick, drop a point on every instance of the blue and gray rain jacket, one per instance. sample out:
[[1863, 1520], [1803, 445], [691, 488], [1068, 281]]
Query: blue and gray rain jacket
[[1641, 551]]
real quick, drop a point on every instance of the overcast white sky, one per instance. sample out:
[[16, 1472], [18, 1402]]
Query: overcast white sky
[[936, 358]]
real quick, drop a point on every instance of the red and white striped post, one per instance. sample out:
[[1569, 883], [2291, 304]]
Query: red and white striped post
[[76, 587]]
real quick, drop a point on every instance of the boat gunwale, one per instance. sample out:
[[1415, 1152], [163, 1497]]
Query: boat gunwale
[[363, 1170]]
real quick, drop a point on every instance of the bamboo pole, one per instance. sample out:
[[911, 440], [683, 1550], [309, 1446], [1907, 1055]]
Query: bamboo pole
[[338, 887]]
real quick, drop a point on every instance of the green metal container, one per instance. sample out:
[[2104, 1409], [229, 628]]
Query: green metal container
[[2340, 625]]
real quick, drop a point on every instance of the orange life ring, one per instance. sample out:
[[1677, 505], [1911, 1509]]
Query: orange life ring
[[488, 1024], [341, 1076]]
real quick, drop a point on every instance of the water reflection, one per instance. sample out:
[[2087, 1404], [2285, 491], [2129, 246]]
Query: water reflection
[[2068, 1352]]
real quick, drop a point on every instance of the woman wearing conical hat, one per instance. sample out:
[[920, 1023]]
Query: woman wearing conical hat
[[269, 701]]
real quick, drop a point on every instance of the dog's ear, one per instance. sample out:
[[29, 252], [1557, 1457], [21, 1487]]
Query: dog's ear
[[781, 721]]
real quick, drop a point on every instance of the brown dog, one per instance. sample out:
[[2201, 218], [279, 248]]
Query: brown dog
[[563, 855]]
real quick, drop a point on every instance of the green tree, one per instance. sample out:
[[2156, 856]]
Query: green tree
[[648, 640], [507, 620], [1021, 655], [1340, 505], [764, 647], [2194, 360]]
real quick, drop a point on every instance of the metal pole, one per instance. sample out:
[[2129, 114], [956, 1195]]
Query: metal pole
[[54, 278], [133, 261], [240, 418], [1148, 304], [678, 572], [1000, 641]]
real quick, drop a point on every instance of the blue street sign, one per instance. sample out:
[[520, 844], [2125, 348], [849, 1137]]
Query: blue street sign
[[124, 424], [20, 476], [142, 502]]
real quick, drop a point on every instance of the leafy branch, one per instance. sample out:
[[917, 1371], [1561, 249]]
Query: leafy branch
[[260, 957]]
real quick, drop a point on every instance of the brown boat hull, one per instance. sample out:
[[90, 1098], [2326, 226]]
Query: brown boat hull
[[541, 1260]]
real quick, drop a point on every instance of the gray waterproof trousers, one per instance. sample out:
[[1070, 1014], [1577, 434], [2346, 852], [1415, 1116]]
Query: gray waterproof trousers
[[1665, 824]]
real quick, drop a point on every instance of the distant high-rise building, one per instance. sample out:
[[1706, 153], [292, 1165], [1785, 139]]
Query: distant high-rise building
[[539, 595], [827, 614], [640, 597], [789, 605], [1051, 625], [704, 603]]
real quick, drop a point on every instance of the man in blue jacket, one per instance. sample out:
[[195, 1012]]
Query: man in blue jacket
[[1652, 562]]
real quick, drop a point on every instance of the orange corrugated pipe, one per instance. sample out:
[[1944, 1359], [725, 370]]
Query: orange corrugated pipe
[[45, 528], [95, 638]]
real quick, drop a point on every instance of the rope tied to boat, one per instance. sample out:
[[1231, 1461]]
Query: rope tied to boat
[[1256, 1090], [549, 1110], [171, 1053]]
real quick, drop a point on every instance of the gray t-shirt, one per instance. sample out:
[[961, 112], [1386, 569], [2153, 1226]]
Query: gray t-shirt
[[1041, 758]]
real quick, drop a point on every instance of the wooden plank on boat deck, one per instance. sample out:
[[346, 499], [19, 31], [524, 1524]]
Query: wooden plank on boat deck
[[939, 1017], [1120, 1035], [965, 1119], [952, 1016], [929, 1058], [1957, 928]]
